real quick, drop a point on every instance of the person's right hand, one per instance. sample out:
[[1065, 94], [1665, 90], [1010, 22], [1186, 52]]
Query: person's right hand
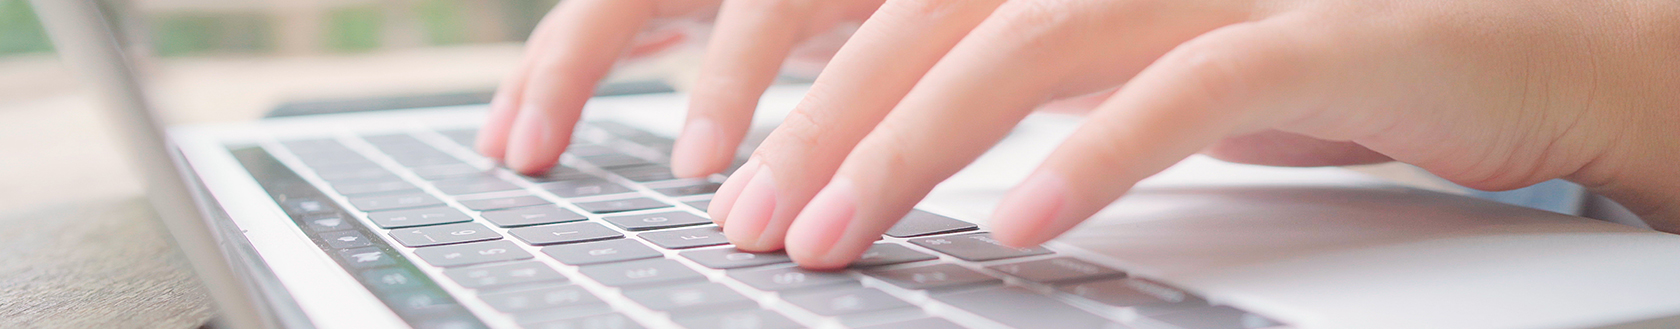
[[536, 108]]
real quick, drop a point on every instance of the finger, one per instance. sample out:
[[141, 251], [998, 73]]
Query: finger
[[1023, 54], [868, 75], [954, 113], [1236, 80], [588, 36], [1279, 148], [492, 137], [751, 40]]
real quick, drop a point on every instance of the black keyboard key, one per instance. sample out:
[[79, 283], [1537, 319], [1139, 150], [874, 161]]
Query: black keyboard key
[[327, 223], [366, 257], [1143, 297], [609, 161], [756, 319], [448, 171], [421, 303], [1057, 270], [305, 146], [394, 201], [840, 302], [729, 258], [656, 221], [473, 185], [919, 223], [646, 173], [616, 250], [531, 216], [417, 217], [621, 205], [374, 187], [687, 190], [413, 160], [466, 137], [462, 319], [686, 238], [503, 203], [569, 296], [702, 205], [883, 253], [393, 279], [1215, 317], [354, 174], [304, 206], [397, 139], [320, 161], [503, 275], [561, 174], [977, 247], [564, 233], [584, 187], [641, 273], [589, 150], [932, 277], [790, 278], [443, 234], [345, 239], [471, 253], [692, 297], [1022, 308]]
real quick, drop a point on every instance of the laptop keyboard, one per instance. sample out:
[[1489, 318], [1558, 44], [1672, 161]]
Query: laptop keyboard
[[609, 239]]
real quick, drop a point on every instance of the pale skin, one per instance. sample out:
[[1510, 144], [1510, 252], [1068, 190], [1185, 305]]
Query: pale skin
[[1489, 94]]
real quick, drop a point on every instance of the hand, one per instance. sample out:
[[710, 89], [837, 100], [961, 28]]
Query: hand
[[534, 111], [1488, 94]]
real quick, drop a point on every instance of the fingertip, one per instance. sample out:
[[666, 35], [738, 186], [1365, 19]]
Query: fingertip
[[816, 238], [751, 213], [1027, 215], [696, 151], [727, 194], [533, 146]]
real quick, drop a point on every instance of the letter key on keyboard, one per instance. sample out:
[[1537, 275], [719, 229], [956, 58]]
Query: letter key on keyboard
[[471, 253], [976, 247], [443, 234]]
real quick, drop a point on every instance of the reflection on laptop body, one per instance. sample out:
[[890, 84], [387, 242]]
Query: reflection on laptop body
[[388, 219]]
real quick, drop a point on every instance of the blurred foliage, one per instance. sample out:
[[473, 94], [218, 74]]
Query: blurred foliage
[[194, 33], [20, 31], [357, 28], [443, 22], [354, 29]]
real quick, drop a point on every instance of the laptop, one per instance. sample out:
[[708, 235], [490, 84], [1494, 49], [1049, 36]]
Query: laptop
[[390, 220]]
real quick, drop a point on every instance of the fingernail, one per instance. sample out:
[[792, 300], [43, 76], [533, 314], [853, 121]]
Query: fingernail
[[815, 237], [1024, 216], [695, 148], [531, 134], [730, 191], [751, 212]]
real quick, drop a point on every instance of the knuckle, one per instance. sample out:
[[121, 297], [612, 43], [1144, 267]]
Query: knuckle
[[1033, 28], [1216, 70], [800, 129]]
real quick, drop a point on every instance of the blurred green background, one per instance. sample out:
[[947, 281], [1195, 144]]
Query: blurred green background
[[176, 28]]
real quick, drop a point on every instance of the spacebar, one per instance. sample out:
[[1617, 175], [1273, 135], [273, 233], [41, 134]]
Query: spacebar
[[1021, 308]]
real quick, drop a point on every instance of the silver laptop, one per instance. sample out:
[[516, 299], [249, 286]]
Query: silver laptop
[[380, 220]]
